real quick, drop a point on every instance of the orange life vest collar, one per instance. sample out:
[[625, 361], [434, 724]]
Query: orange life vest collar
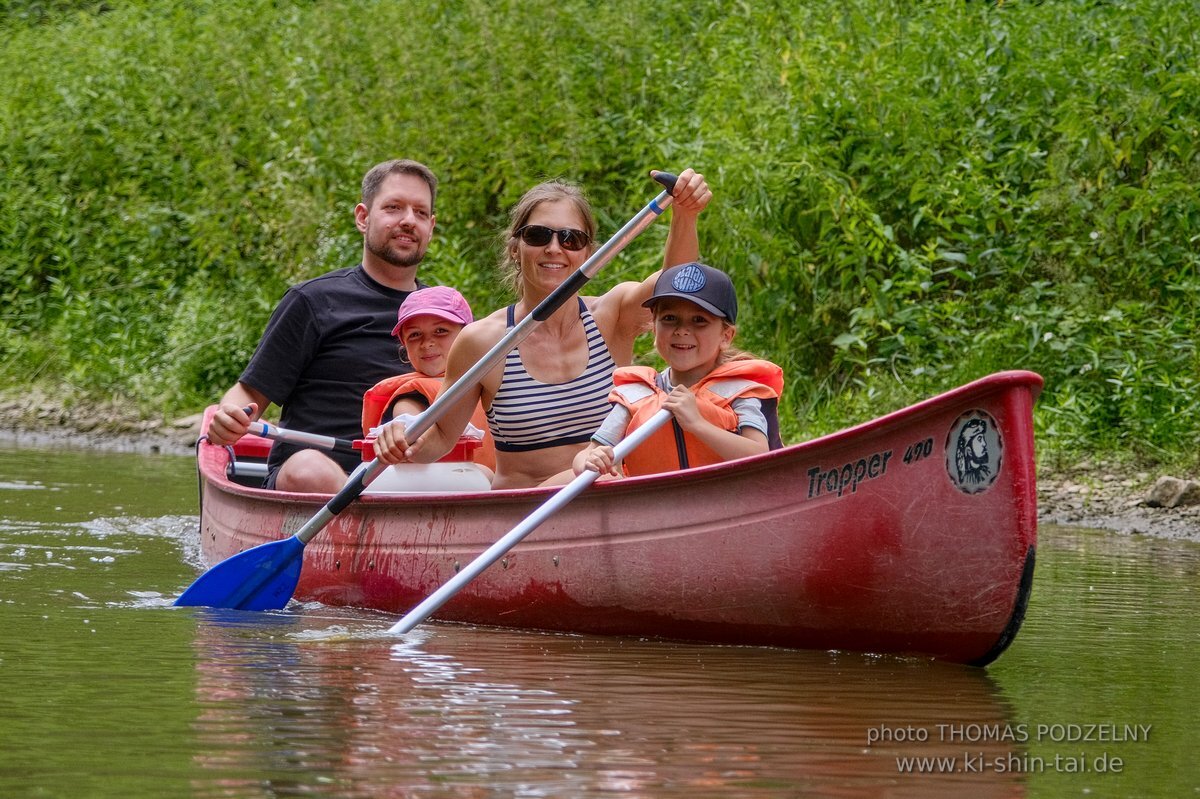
[[380, 396]]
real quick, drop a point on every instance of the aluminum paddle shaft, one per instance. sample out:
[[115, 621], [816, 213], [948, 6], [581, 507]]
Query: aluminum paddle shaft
[[530, 523], [268, 430]]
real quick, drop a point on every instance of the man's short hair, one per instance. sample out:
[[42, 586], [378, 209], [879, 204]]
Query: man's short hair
[[377, 174]]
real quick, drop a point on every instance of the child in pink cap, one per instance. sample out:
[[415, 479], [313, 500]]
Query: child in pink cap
[[428, 322]]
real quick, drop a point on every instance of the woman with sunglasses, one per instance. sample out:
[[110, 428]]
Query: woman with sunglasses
[[551, 393]]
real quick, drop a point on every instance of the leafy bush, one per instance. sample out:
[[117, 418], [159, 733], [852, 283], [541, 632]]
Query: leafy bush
[[909, 195]]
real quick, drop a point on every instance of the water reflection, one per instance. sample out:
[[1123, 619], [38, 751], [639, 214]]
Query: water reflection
[[465, 711]]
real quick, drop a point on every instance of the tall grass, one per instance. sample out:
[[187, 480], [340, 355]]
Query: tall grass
[[909, 195]]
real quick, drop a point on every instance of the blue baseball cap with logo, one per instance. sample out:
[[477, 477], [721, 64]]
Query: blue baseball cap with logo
[[709, 288]]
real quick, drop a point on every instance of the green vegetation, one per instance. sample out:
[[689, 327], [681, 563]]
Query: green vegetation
[[909, 194]]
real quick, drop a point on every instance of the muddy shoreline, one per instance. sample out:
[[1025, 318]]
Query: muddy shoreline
[[1100, 495]]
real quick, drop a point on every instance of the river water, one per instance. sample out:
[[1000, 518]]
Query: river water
[[108, 691]]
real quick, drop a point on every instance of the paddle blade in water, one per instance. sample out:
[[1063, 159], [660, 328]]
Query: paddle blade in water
[[262, 578]]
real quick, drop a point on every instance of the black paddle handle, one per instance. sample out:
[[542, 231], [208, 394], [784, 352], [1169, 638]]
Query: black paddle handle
[[668, 180]]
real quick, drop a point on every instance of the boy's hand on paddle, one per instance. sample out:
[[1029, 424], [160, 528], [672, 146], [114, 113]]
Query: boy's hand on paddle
[[681, 402]]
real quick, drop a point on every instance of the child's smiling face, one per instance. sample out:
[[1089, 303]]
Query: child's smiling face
[[689, 338], [427, 339]]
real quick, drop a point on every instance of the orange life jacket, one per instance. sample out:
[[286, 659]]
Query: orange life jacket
[[379, 397], [635, 388]]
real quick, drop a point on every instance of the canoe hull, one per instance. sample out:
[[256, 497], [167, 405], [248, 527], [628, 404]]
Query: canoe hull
[[912, 534]]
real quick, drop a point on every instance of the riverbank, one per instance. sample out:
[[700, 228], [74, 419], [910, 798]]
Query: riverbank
[[1100, 495]]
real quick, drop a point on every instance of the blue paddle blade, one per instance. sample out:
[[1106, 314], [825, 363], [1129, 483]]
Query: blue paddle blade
[[262, 578]]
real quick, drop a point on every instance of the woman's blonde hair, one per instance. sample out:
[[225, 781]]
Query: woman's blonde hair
[[549, 191]]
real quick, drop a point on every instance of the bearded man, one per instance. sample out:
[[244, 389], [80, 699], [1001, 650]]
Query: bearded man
[[330, 338]]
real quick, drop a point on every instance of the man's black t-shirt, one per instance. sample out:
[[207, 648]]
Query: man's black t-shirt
[[328, 341]]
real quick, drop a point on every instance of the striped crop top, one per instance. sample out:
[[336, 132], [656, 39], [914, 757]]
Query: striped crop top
[[527, 414]]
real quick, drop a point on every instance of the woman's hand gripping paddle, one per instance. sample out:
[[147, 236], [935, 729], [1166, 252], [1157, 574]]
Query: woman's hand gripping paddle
[[527, 526], [265, 577]]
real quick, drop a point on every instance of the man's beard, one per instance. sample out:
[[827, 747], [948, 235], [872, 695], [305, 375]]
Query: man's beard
[[393, 257]]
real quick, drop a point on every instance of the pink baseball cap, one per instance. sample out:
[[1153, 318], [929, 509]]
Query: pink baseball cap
[[440, 301]]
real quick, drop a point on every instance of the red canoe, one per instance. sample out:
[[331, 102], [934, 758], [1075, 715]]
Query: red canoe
[[911, 534]]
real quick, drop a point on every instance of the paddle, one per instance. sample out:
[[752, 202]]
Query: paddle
[[265, 577], [530, 523], [268, 430]]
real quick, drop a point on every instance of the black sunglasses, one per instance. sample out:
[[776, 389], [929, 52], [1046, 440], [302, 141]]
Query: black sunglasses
[[540, 235]]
